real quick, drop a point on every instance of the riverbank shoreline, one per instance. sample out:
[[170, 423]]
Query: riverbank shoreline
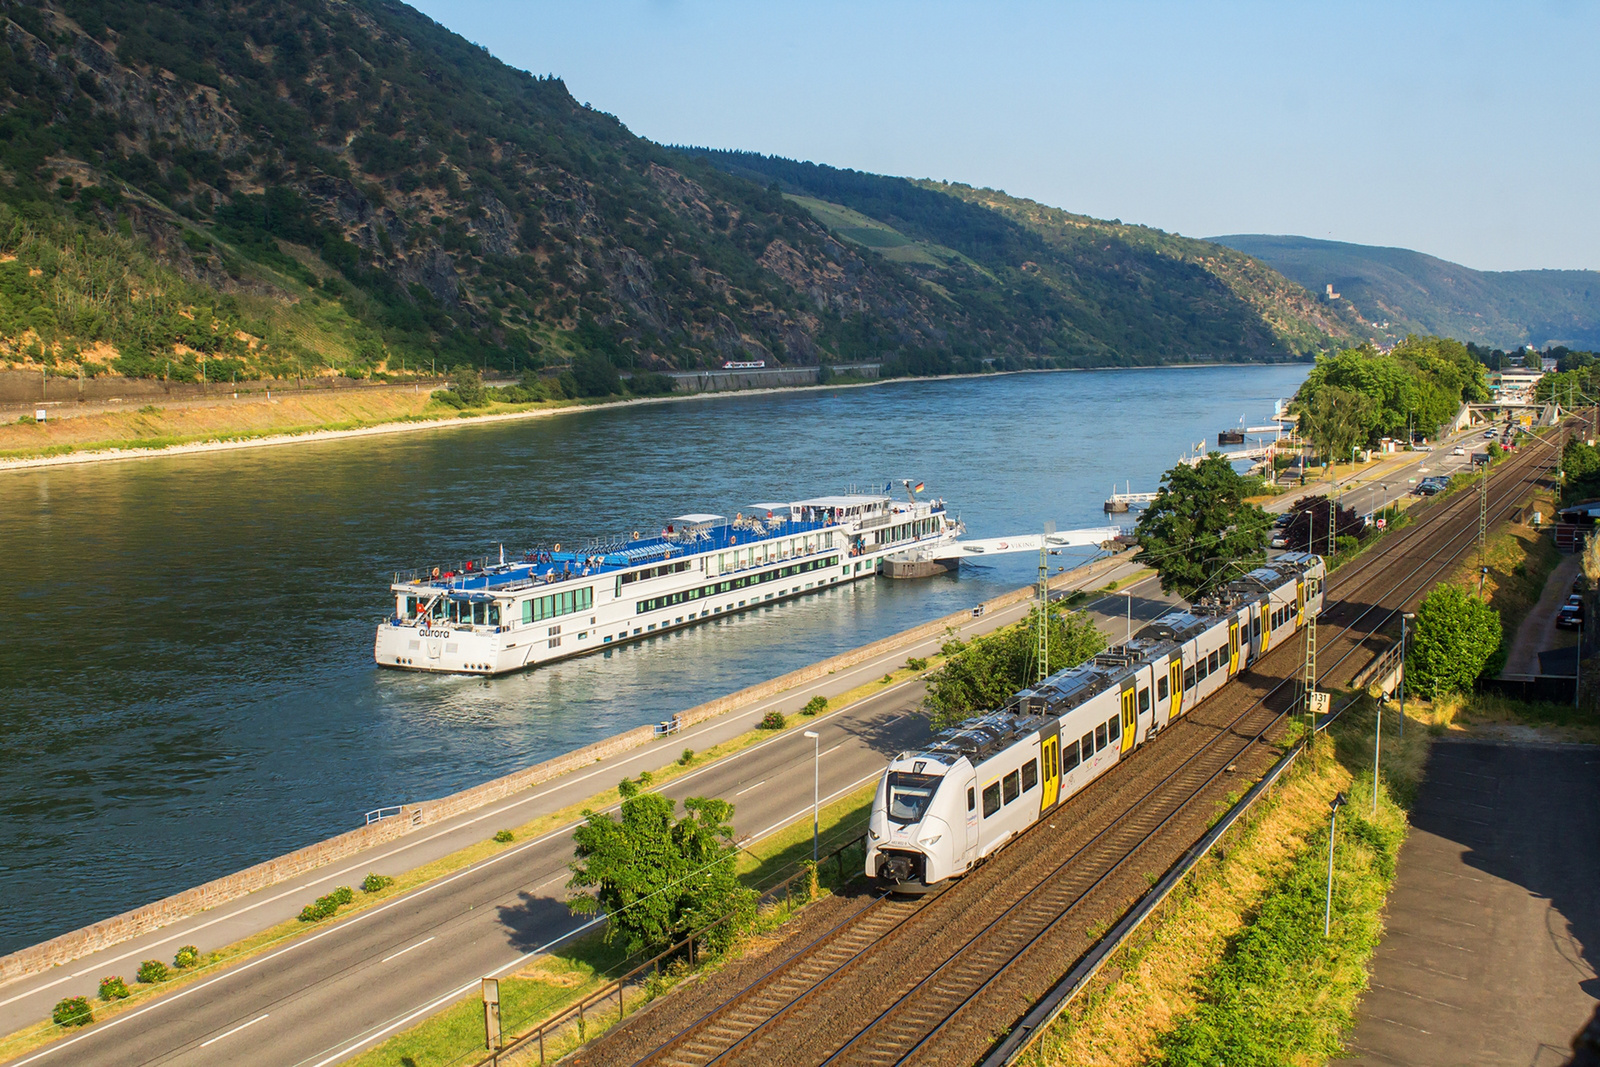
[[410, 423]]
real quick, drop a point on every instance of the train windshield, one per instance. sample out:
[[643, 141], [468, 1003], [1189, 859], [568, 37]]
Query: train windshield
[[910, 795]]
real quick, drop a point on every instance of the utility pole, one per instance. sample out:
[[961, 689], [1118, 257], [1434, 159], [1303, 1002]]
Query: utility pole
[[1333, 825], [1310, 681], [1483, 528], [1043, 650]]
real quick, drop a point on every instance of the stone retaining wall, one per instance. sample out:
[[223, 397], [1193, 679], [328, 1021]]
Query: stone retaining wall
[[142, 920]]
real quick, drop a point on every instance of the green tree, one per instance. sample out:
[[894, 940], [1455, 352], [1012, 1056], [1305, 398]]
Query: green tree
[[596, 375], [982, 674], [1199, 526], [467, 384], [1339, 420], [1455, 636], [657, 876]]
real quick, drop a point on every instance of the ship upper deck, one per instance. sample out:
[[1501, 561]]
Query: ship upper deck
[[680, 537]]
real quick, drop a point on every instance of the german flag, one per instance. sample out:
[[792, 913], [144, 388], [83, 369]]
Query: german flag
[[918, 488]]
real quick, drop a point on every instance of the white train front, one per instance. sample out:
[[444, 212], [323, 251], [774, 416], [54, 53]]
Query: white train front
[[939, 811]]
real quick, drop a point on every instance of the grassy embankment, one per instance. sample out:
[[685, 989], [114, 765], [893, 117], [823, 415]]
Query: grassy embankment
[[289, 412], [1236, 969]]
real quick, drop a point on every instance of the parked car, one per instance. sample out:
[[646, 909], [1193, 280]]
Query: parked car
[[1458, 451], [1570, 617], [1283, 520], [1426, 489], [1280, 541], [1491, 434]]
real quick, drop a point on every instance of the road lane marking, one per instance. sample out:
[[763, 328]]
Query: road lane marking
[[835, 748], [403, 951], [235, 1030], [829, 799], [453, 995], [747, 788]]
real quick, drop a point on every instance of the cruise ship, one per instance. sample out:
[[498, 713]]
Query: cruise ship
[[483, 617]]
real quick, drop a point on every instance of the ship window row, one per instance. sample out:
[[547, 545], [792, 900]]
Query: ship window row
[[768, 551], [670, 599], [655, 572], [460, 612], [539, 608]]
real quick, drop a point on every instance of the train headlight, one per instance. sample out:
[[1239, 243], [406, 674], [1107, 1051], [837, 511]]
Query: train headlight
[[934, 840], [872, 833]]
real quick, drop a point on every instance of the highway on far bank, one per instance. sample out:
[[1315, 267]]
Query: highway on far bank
[[329, 994]]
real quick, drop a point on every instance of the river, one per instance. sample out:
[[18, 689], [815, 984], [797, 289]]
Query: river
[[188, 685]]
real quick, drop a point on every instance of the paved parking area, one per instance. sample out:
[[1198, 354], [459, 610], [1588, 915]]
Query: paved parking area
[[1493, 926]]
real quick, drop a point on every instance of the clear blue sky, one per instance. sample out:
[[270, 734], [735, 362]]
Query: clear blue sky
[[1469, 131]]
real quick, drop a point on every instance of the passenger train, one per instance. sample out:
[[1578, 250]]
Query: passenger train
[[941, 810]]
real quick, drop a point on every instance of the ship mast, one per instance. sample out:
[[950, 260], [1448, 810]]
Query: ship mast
[[1043, 652]]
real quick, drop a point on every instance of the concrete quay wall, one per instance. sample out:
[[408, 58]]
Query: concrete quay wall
[[412, 817]]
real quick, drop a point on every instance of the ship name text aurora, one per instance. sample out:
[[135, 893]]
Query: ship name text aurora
[[551, 604]]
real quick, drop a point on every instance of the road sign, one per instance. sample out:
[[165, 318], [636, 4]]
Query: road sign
[[1382, 523]]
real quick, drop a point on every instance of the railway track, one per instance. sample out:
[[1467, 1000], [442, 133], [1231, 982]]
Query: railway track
[[825, 1005]]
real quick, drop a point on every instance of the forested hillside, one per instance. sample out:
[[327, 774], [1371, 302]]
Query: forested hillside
[[1416, 293], [1097, 291], [285, 187]]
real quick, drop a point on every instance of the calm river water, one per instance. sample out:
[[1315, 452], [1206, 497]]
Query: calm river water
[[188, 686]]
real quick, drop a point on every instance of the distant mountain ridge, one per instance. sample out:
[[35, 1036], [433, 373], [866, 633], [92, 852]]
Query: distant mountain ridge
[[1419, 293]]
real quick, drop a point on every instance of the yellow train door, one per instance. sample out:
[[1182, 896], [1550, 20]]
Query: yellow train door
[[1233, 647], [1130, 721], [1050, 756], [1175, 681], [1300, 602]]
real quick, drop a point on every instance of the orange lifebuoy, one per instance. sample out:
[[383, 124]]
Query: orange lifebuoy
[[558, 546], [436, 572]]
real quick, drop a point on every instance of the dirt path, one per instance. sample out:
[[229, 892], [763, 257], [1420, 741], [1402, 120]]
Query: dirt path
[[1538, 631]]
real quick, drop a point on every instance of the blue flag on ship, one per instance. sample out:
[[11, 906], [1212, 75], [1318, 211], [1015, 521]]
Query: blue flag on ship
[[887, 486]]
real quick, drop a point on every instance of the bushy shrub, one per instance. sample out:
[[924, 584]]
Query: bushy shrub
[[468, 387], [773, 720], [152, 971], [504, 836], [375, 882], [447, 398], [687, 757], [72, 1011], [187, 957], [326, 906], [917, 663], [815, 705], [112, 987], [651, 383], [646, 779]]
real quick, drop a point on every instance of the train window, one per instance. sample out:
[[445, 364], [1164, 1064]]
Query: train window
[[1161, 688], [1009, 785], [1100, 736], [1030, 775], [1188, 677], [910, 795], [1200, 671], [1088, 747], [1144, 701], [972, 798], [1211, 663], [991, 799], [1113, 729], [1255, 626], [1069, 759]]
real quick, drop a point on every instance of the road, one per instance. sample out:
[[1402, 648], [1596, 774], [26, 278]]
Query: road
[[323, 997]]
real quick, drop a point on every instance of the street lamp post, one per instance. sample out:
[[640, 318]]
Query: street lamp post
[[1129, 595], [1333, 825], [1405, 617], [816, 786]]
